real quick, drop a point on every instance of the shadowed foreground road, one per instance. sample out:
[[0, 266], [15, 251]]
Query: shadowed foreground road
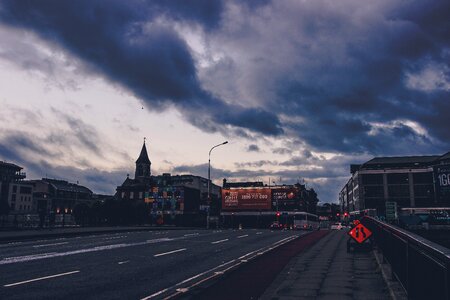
[[127, 265]]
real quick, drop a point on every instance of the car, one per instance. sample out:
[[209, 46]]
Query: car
[[336, 226], [276, 225]]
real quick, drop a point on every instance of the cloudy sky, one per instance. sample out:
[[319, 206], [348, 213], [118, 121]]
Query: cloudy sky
[[300, 89]]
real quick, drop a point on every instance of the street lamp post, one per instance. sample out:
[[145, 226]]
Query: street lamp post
[[209, 180]]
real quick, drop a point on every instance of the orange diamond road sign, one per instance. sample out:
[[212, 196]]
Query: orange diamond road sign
[[360, 233]]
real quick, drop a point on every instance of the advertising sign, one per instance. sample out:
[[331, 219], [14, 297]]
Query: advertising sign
[[284, 197], [246, 199], [442, 181]]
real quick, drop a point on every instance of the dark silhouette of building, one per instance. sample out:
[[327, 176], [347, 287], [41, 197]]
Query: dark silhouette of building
[[135, 189], [59, 196], [15, 193], [410, 181]]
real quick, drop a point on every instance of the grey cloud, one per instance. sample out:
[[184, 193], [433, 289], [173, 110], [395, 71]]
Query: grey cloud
[[282, 151], [253, 148]]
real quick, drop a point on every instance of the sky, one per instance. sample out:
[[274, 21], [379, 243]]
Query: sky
[[300, 89]]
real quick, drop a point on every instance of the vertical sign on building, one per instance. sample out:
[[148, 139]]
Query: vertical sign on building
[[442, 183]]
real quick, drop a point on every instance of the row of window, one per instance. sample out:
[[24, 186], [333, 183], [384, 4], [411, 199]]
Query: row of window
[[22, 198], [398, 178], [24, 207], [423, 190], [132, 195]]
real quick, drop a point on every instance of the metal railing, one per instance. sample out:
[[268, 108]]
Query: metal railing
[[421, 266]]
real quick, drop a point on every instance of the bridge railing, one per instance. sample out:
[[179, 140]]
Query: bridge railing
[[421, 266]]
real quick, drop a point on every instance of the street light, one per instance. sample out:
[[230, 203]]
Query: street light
[[209, 180]]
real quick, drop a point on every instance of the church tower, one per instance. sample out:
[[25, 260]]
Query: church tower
[[143, 165]]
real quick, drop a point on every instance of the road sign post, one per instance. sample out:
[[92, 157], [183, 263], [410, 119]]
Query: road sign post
[[391, 211], [358, 234]]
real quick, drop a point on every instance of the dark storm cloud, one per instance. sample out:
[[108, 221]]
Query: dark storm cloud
[[124, 42], [340, 103]]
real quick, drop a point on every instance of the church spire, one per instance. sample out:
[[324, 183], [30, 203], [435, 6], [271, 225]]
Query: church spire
[[143, 163]]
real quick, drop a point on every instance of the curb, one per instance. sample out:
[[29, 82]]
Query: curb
[[396, 291]]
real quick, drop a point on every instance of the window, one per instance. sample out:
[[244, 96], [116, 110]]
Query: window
[[123, 195], [372, 179], [398, 178], [14, 188], [423, 190], [140, 195], [131, 195], [398, 190], [373, 191], [423, 178]]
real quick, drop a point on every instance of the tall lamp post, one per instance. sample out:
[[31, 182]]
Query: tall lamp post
[[209, 180]]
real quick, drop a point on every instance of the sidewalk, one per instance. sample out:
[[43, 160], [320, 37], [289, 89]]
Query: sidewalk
[[327, 271], [27, 234]]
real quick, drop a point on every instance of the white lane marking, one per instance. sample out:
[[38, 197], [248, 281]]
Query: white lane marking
[[259, 232], [48, 245], [242, 236], [41, 278], [276, 244], [26, 257], [221, 241], [170, 252], [123, 262], [187, 280], [19, 259], [191, 234]]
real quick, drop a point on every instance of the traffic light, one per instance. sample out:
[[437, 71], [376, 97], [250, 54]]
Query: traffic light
[[346, 214], [338, 214], [278, 214]]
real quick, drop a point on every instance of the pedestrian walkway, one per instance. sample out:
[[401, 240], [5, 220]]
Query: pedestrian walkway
[[327, 271]]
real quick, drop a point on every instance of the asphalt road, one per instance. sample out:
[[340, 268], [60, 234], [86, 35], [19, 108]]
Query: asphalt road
[[130, 265]]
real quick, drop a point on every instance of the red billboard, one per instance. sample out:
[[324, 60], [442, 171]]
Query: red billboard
[[246, 199]]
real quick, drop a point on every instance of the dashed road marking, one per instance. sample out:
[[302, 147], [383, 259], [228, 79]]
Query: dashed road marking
[[221, 241], [170, 252]]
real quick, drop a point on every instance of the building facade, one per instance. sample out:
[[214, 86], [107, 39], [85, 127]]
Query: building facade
[[410, 181], [15, 193], [167, 197]]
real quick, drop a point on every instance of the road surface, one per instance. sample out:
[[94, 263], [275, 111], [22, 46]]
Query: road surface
[[130, 265]]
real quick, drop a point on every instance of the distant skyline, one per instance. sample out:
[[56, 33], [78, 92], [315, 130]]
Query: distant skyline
[[300, 89]]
